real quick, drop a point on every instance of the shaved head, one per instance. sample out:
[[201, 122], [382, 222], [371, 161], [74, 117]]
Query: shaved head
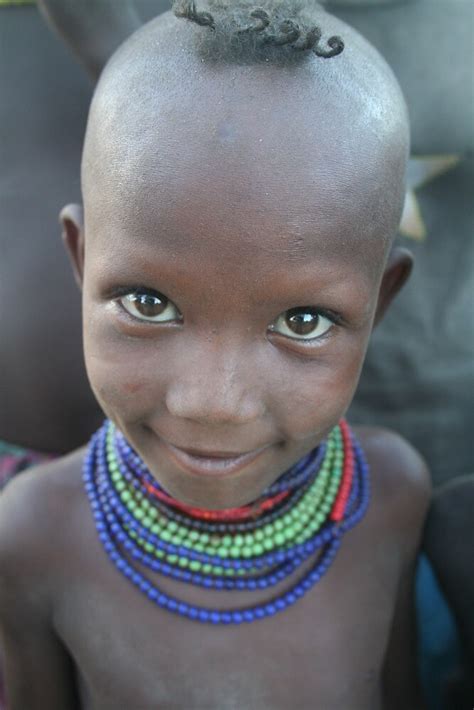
[[313, 142], [231, 195]]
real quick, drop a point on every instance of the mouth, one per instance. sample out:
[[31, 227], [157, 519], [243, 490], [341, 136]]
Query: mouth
[[218, 464]]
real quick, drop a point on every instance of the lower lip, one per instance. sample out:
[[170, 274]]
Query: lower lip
[[212, 467]]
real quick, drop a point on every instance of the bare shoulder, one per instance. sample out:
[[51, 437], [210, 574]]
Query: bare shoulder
[[35, 535], [33, 510], [401, 492], [400, 478]]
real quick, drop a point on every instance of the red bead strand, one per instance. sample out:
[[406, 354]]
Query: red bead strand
[[339, 507], [233, 514]]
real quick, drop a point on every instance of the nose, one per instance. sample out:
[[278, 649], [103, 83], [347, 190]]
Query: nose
[[215, 391]]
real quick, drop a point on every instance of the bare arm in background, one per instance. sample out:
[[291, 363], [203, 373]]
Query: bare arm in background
[[92, 28]]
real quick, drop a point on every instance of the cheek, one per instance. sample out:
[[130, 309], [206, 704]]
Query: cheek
[[319, 394], [123, 395], [127, 383]]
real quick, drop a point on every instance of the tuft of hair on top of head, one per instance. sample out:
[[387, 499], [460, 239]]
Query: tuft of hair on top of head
[[274, 30]]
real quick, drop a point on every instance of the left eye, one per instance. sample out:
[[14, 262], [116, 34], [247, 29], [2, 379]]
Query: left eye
[[303, 323], [150, 306]]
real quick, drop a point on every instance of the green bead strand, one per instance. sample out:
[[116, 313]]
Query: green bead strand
[[295, 526]]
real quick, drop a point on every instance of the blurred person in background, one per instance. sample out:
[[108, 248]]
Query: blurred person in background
[[47, 406], [421, 383]]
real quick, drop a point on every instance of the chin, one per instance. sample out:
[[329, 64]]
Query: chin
[[213, 494]]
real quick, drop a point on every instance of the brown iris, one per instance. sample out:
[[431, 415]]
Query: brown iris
[[302, 321], [149, 305]]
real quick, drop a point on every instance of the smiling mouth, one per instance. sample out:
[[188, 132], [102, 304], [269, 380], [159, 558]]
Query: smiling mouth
[[211, 463]]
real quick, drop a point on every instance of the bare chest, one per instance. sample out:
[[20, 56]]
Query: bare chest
[[324, 652]]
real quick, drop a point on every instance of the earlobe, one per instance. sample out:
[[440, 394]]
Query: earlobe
[[72, 221], [397, 271]]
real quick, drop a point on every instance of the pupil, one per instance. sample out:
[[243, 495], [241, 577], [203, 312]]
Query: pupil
[[150, 306], [302, 322]]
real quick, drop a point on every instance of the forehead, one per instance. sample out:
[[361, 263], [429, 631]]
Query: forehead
[[248, 152], [226, 229]]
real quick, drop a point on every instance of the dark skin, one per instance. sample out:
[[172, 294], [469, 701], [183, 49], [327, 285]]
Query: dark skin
[[93, 31], [332, 649], [221, 373]]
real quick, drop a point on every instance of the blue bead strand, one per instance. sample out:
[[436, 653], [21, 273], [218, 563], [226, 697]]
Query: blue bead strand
[[264, 560], [112, 522]]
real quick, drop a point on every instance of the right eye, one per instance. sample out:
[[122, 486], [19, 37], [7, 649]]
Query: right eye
[[150, 306]]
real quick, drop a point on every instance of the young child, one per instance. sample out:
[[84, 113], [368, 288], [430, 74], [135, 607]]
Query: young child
[[226, 541]]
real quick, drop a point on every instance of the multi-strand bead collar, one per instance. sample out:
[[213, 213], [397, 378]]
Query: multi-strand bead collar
[[253, 547]]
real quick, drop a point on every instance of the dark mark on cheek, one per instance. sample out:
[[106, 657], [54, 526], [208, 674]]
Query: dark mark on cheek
[[132, 387]]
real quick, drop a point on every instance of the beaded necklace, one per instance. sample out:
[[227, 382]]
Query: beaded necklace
[[307, 510]]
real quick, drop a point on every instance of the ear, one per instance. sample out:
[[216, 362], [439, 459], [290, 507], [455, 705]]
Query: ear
[[72, 221], [397, 271]]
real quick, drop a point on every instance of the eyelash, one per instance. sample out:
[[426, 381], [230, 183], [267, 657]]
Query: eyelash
[[335, 318]]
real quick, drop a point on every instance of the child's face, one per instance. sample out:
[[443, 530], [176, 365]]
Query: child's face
[[228, 300]]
